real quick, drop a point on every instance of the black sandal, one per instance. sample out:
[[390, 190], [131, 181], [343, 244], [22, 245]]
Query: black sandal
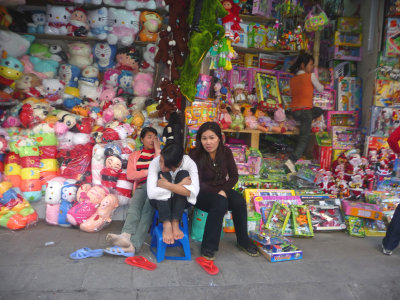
[[250, 250], [208, 254]]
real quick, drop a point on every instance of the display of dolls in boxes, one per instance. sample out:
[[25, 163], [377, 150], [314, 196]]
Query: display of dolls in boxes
[[326, 218], [384, 120], [264, 8], [392, 37], [387, 92]]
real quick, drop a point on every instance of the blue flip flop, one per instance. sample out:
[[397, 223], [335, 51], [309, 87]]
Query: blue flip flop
[[86, 253], [117, 250]]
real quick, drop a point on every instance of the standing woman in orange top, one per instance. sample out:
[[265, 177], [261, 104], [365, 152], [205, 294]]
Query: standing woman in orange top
[[302, 86]]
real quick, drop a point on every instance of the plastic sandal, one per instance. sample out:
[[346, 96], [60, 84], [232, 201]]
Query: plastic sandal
[[141, 262], [117, 250], [207, 265], [85, 253]]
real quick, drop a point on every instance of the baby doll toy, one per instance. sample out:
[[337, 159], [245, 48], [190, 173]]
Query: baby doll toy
[[237, 118], [231, 20], [113, 167], [251, 120], [224, 119], [239, 93]]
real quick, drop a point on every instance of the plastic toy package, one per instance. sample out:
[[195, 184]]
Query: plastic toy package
[[199, 113], [384, 120], [348, 39], [349, 24], [349, 94], [392, 37], [278, 218], [364, 210], [268, 90], [301, 221], [15, 211], [387, 92], [374, 228], [284, 87], [325, 99], [347, 53], [388, 67], [345, 137], [355, 226], [326, 218], [203, 86], [342, 118]]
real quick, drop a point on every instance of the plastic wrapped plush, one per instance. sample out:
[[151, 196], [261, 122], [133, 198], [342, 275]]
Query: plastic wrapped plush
[[15, 211]]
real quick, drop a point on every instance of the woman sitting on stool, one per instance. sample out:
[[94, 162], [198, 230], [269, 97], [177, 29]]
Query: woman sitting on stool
[[218, 175]]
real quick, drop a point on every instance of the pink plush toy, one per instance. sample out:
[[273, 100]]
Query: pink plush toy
[[53, 199], [141, 84], [88, 198], [102, 216], [110, 80]]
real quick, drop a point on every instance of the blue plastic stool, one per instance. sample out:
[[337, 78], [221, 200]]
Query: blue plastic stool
[[158, 247]]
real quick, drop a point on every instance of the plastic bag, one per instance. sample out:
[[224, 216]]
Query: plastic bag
[[317, 20]]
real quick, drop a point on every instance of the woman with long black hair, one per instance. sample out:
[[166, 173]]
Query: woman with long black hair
[[218, 175]]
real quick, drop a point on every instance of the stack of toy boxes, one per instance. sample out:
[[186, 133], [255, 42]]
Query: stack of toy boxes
[[348, 39], [359, 215]]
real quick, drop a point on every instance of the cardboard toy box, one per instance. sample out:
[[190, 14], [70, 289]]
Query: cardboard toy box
[[363, 210], [280, 256]]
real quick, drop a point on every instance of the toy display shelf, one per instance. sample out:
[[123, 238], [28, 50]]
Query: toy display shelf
[[87, 6], [257, 50], [255, 135], [74, 38]]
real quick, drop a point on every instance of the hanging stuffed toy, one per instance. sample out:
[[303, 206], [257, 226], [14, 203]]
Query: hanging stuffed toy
[[231, 20]]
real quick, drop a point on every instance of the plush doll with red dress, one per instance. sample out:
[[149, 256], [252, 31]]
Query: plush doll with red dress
[[231, 20]]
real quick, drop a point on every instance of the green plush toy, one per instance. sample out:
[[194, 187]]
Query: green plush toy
[[200, 43]]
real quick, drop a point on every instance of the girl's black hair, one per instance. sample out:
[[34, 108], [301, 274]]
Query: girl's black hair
[[146, 130], [201, 156], [303, 58], [132, 52]]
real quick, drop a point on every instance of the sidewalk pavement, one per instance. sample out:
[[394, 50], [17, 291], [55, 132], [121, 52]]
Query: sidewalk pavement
[[334, 266]]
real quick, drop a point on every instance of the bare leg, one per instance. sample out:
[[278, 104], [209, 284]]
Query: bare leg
[[168, 236], [122, 240], [176, 231]]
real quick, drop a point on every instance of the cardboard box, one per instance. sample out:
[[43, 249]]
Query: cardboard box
[[282, 256], [363, 210]]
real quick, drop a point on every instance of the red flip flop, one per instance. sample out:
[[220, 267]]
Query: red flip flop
[[207, 265], [141, 262]]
